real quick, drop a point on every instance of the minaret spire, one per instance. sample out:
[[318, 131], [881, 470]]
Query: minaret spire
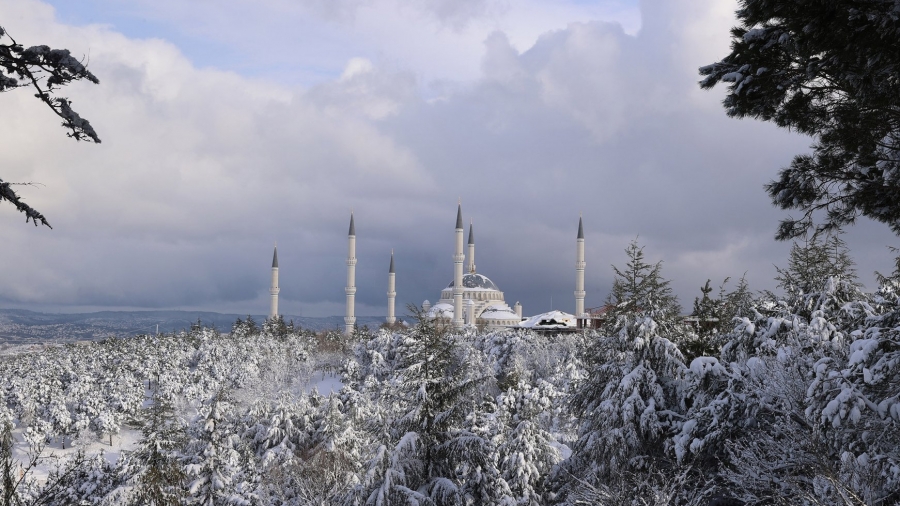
[[579, 271], [458, 258], [350, 319], [391, 293], [273, 290], [471, 268]]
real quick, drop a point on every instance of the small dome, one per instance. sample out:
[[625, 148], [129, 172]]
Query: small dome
[[472, 280], [499, 313]]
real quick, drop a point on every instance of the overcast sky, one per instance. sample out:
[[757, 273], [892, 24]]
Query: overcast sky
[[228, 125]]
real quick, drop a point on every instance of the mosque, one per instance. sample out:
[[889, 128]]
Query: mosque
[[471, 299]]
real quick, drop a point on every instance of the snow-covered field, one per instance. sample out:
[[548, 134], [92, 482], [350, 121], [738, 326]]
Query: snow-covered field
[[799, 398]]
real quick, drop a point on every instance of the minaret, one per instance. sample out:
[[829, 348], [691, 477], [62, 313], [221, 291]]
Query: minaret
[[471, 268], [579, 271], [273, 309], [350, 319], [458, 258], [391, 293]]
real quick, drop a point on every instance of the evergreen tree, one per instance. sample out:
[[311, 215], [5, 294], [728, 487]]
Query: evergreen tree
[[739, 302], [629, 403], [714, 317], [79, 479], [828, 70], [333, 458], [640, 289], [213, 463], [526, 453], [276, 327], [820, 274], [437, 384], [9, 482], [159, 479], [707, 320], [890, 282]]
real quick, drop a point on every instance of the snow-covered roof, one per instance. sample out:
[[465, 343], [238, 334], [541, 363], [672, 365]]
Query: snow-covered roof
[[441, 310], [550, 320], [474, 280], [499, 313]]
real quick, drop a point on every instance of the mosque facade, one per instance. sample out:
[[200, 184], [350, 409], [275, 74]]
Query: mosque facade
[[470, 300]]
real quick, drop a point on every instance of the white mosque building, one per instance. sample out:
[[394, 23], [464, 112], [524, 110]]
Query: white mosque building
[[477, 300], [470, 300]]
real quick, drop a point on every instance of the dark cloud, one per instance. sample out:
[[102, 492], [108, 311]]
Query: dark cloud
[[202, 170]]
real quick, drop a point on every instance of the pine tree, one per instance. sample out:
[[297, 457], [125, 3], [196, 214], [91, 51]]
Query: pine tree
[[9, 482], [740, 301], [332, 458], [527, 454], [707, 319], [159, 477], [640, 289], [629, 404], [820, 276], [213, 463], [436, 383], [827, 70], [78, 479], [714, 317]]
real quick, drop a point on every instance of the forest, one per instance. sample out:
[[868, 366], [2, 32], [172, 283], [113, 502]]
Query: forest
[[757, 398]]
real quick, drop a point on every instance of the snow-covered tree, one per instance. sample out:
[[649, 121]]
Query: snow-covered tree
[[853, 402], [45, 70], [76, 479], [332, 459], [629, 403], [820, 272], [435, 382], [213, 463], [828, 70], [713, 317], [640, 289], [158, 478], [526, 450]]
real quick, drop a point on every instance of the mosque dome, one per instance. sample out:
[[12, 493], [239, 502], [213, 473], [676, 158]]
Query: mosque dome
[[482, 301], [474, 280]]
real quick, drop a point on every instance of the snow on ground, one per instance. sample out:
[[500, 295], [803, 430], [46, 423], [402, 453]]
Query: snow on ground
[[324, 383], [125, 441], [564, 450]]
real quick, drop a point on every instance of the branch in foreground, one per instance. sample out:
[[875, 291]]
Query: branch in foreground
[[7, 193]]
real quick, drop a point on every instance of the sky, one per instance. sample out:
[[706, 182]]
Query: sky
[[230, 125]]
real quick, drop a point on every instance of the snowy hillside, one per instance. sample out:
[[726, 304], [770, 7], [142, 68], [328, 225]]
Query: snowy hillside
[[18, 326]]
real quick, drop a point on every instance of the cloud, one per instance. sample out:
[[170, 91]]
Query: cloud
[[202, 168]]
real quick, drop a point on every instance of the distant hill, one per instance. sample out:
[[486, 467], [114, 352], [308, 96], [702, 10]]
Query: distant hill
[[20, 326]]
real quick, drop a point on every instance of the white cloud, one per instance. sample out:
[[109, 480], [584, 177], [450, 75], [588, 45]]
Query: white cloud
[[201, 169]]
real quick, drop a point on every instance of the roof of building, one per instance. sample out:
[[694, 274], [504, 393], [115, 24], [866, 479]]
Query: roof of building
[[441, 310], [352, 226], [499, 313], [474, 280], [275, 258], [550, 320], [580, 229]]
